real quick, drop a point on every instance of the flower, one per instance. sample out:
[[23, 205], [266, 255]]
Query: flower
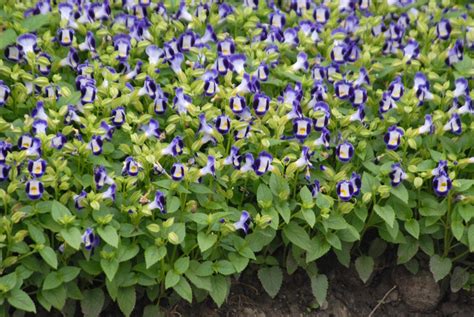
[[209, 168], [237, 104], [177, 171], [118, 116], [321, 14], [454, 124], [442, 184], [397, 175], [206, 130], [263, 163], [344, 151], [175, 148], [301, 128], [4, 171], [101, 178], [443, 29], [159, 202], [345, 190], [261, 104], [154, 53], [181, 101], [244, 221], [4, 93], [122, 46], [37, 168], [79, 199], [248, 163], [343, 89], [65, 37], [393, 137], [323, 139], [5, 148], [13, 53], [34, 189], [316, 188], [304, 159], [71, 60], [152, 129], [186, 41], [387, 103], [95, 145], [301, 62], [110, 192], [455, 53], [461, 87], [90, 240], [234, 158], [44, 69], [27, 43], [356, 182], [359, 96], [131, 167], [396, 89], [223, 124], [428, 126]]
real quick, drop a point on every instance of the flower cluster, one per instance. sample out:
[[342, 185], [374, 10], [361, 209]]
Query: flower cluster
[[120, 109]]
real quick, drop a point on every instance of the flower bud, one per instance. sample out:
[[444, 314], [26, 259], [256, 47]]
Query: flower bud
[[418, 182], [153, 227], [366, 197], [173, 238]]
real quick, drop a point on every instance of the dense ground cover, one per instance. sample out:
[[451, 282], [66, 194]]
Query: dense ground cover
[[150, 152]]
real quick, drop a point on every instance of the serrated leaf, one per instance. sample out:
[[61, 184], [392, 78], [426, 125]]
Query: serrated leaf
[[126, 299], [440, 267], [21, 300], [72, 236], [406, 251], [401, 193], [413, 227], [386, 213], [7, 37], [271, 279], [110, 268], [264, 194], [364, 266], [284, 210], [59, 211], [309, 216], [459, 278], [56, 297], [93, 301], [184, 289], [52, 280], [35, 22], [298, 236], [49, 256], [171, 279], [181, 265], [200, 189], [319, 287], [173, 204], [109, 235], [154, 254], [206, 241], [68, 273], [220, 289]]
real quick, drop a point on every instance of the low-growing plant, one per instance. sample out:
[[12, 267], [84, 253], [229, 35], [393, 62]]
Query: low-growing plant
[[149, 150]]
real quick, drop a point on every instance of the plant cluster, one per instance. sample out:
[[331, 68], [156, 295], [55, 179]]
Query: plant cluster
[[158, 149]]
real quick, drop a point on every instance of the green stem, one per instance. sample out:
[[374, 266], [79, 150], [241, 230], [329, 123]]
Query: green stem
[[447, 228]]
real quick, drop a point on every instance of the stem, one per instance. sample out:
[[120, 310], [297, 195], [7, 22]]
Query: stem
[[447, 238]]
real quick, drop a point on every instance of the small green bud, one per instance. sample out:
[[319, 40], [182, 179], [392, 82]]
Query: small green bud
[[367, 197], [418, 182], [153, 227], [173, 238]]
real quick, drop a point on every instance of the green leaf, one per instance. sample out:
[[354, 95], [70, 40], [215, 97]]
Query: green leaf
[[298, 236], [200, 189], [93, 302], [279, 186], [224, 267], [369, 183], [49, 256], [271, 279], [68, 273], [364, 266], [413, 227], [19, 299], [58, 211], [154, 254], [206, 241], [440, 267], [459, 278], [220, 289], [184, 289], [306, 196], [56, 297], [109, 235], [126, 299], [7, 37], [8, 281], [386, 213], [319, 287], [470, 237], [324, 201], [110, 268], [72, 236], [334, 240], [264, 195], [35, 22], [52, 280], [173, 204], [181, 265], [319, 247], [309, 216], [406, 251], [457, 228], [171, 279], [73, 98], [401, 193], [284, 210], [239, 262], [465, 211]]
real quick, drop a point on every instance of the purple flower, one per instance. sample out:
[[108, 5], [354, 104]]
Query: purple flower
[[90, 240], [261, 104], [4, 171], [344, 151], [396, 89], [356, 181], [95, 145], [443, 29], [27, 43], [65, 37], [177, 171], [454, 124], [44, 69], [154, 54], [461, 87], [118, 116], [226, 47], [175, 148], [455, 53], [209, 168], [34, 189], [4, 93], [321, 14], [345, 190], [122, 46], [304, 159], [301, 62], [13, 53], [88, 93], [393, 137], [243, 222], [131, 167], [397, 175], [277, 19], [263, 163], [186, 41], [37, 168], [301, 128], [223, 124], [411, 49], [234, 158], [79, 199], [237, 104], [5, 147], [359, 96], [71, 60], [343, 89], [442, 184], [101, 178], [181, 101], [152, 129], [159, 202], [58, 141], [110, 192]]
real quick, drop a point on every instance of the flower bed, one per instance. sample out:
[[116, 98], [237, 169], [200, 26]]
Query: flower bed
[[158, 149]]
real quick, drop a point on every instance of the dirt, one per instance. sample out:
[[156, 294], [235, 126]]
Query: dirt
[[392, 291]]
